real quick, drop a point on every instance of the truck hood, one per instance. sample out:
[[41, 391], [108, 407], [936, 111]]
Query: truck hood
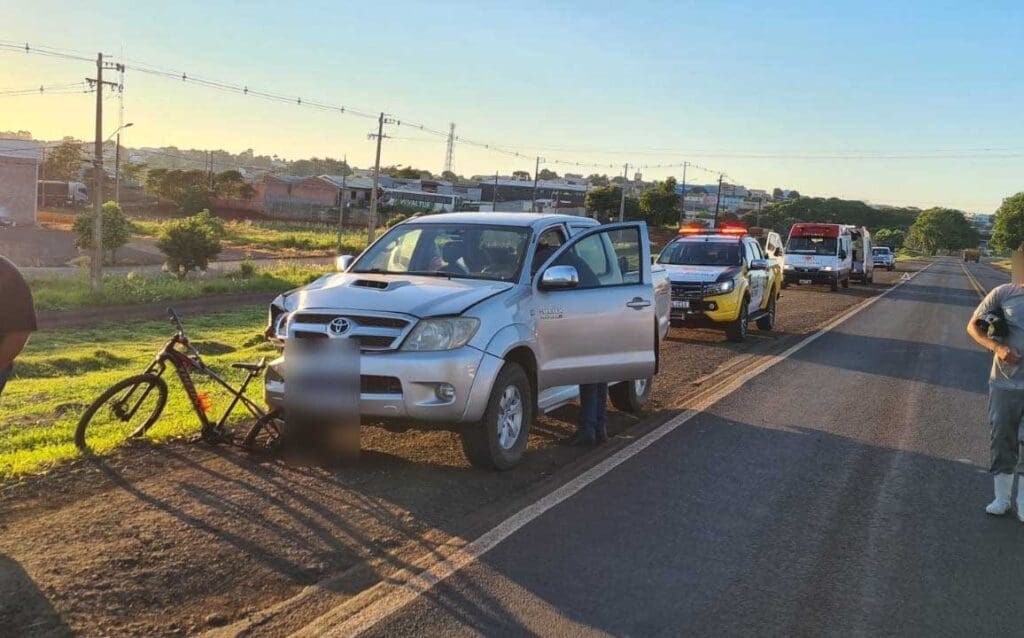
[[412, 295], [700, 274]]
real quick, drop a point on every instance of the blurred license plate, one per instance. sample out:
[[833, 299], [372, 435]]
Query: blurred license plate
[[805, 281], [680, 304]]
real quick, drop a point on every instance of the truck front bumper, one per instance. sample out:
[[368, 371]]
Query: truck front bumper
[[709, 310], [405, 385], [812, 276]]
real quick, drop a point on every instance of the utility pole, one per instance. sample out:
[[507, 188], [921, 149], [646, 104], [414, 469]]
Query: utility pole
[[536, 175], [209, 162], [718, 198], [494, 195], [96, 267], [371, 227], [344, 201], [622, 202], [120, 125], [757, 218], [682, 203]]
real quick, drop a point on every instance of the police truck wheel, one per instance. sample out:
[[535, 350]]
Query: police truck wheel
[[631, 396], [834, 284], [498, 440], [767, 322], [737, 330], [846, 282]]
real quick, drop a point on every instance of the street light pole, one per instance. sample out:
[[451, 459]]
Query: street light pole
[[96, 267], [117, 163], [536, 176], [718, 198], [682, 203], [622, 201], [371, 226]]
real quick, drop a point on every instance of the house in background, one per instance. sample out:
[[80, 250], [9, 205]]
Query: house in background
[[19, 173]]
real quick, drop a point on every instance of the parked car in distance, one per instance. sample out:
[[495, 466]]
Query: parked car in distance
[[486, 319], [883, 257], [721, 278], [972, 254]]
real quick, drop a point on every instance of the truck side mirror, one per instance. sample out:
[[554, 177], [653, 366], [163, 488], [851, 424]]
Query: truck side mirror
[[842, 254], [342, 263], [559, 278], [759, 264]]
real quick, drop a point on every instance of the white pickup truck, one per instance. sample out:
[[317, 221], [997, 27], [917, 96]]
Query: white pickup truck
[[486, 319]]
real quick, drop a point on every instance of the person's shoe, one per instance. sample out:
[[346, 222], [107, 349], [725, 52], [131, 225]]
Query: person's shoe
[[1003, 488], [602, 437], [580, 439]]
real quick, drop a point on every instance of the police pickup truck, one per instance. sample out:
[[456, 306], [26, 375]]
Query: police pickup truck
[[486, 319], [721, 278]]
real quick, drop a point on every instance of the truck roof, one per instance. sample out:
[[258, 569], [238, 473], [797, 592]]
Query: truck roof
[[526, 220]]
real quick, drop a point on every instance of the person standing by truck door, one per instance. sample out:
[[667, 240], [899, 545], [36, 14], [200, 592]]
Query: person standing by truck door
[[1006, 384], [17, 317]]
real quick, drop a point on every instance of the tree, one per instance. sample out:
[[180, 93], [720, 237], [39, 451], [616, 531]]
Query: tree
[[941, 229], [659, 203], [189, 243], [449, 176], [188, 189], [116, 229], [777, 194], [313, 166], [547, 174], [521, 175], [598, 180], [231, 185], [891, 237], [64, 162], [133, 171], [1008, 232], [794, 194], [406, 172], [603, 204], [781, 215]]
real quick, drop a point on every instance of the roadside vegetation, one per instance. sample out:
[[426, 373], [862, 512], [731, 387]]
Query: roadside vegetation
[[62, 371], [69, 293], [272, 235]]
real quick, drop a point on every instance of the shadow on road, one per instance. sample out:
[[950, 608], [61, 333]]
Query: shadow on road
[[812, 534]]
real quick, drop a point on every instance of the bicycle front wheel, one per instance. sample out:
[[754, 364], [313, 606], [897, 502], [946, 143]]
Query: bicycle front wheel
[[127, 409]]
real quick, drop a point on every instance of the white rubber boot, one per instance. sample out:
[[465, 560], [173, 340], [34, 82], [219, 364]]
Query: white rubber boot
[[1003, 488]]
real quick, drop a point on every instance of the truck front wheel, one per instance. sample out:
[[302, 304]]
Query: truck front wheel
[[736, 331], [631, 396], [498, 440]]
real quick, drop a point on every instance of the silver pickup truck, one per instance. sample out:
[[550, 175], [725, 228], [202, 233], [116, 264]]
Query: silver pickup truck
[[484, 319]]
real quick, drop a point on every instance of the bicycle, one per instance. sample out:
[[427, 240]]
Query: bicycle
[[145, 395]]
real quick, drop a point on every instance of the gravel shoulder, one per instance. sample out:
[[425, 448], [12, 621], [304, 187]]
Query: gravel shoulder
[[182, 538]]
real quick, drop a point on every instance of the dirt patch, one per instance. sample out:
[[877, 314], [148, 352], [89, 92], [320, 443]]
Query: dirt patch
[[180, 538]]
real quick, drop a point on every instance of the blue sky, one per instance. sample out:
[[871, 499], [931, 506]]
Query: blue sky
[[775, 94]]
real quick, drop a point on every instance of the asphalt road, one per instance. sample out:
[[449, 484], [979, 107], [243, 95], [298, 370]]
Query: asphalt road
[[839, 492]]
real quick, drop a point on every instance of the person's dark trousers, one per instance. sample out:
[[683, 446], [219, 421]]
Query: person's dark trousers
[[594, 410], [5, 374]]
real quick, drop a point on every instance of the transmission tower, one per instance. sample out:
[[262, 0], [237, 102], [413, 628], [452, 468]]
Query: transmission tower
[[451, 147]]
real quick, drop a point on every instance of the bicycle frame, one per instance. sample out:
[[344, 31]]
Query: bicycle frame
[[184, 364]]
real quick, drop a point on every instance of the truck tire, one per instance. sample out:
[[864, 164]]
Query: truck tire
[[631, 396], [834, 284], [498, 440], [846, 282], [767, 322], [736, 331]]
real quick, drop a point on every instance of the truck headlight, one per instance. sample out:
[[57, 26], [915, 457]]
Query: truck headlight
[[719, 288], [280, 326], [441, 334], [787, 266], [827, 268]]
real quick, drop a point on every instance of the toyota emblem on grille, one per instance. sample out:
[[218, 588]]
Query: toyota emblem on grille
[[339, 326]]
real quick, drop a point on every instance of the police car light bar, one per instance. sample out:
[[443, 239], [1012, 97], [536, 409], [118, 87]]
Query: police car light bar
[[724, 230]]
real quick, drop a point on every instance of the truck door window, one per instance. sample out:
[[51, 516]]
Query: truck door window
[[550, 241], [609, 258]]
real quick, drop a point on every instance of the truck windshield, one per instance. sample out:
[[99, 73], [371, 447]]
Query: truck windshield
[[880, 251], [811, 246], [701, 253], [448, 250]]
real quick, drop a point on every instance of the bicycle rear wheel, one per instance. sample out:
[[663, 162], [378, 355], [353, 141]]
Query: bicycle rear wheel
[[265, 434], [127, 409]]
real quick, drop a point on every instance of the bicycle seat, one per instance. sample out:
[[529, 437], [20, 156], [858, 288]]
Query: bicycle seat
[[251, 367]]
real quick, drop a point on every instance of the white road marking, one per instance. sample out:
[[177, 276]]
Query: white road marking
[[370, 607]]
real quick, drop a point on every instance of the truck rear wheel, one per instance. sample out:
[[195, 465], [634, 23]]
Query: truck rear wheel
[[631, 396], [834, 284], [767, 322], [498, 440]]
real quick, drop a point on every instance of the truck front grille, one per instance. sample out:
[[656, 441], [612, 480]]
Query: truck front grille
[[375, 333], [687, 290]]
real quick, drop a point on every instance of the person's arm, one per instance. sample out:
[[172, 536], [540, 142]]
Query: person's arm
[[990, 303], [11, 346]]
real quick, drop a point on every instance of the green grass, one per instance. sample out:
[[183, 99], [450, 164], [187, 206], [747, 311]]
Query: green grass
[[274, 235], [61, 372], [68, 293]]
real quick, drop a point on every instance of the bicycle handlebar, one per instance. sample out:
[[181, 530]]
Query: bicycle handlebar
[[176, 321]]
